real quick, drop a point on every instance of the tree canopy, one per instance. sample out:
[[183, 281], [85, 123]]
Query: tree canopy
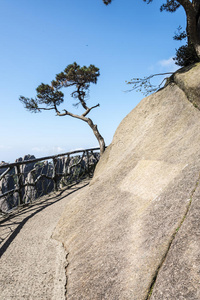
[[49, 97], [190, 52]]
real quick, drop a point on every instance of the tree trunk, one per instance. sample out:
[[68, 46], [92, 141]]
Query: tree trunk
[[95, 130], [193, 33], [192, 11], [97, 135], [198, 31]]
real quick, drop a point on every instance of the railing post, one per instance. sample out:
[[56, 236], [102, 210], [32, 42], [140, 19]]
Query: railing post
[[55, 182], [19, 184], [88, 166]]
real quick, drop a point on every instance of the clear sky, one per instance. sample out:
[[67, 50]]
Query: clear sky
[[39, 38]]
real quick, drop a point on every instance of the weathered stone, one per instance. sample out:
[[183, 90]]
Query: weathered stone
[[25, 169], [7, 184], [31, 171], [3, 169], [179, 277], [119, 230], [187, 80]]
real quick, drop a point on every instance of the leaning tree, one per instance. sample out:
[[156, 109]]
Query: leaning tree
[[190, 52], [49, 97]]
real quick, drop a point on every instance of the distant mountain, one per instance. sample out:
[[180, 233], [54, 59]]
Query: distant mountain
[[40, 174]]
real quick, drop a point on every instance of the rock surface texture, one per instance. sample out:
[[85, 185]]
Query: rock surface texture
[[134, 233], [32, 263]]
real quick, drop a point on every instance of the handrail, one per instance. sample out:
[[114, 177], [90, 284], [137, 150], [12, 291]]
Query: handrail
[[47, 157], [29, 185]]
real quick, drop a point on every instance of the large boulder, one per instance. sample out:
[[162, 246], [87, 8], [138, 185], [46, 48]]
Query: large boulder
[[187, 80], [133, 233]]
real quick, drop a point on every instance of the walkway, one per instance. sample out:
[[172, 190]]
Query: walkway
[[32, 264]]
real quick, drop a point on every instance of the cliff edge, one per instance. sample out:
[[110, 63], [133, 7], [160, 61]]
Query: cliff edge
[[134, 233]]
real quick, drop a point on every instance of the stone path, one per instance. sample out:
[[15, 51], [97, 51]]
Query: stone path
[[32, 264]]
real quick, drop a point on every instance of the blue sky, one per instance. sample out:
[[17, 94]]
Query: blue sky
[[39, 38]]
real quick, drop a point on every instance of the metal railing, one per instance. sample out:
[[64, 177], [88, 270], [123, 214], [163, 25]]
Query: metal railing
[[26, 180]]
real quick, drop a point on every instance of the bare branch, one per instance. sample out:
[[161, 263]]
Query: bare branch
[[140, 84]]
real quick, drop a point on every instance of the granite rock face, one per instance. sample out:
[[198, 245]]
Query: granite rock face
[[133, 234], [187, 80]]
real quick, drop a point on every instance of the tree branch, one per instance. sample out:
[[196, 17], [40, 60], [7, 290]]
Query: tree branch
[[89, 109], [51, 96], [145, 83], [187, 5], [189, 9], [67, 113], [45, 108], [80, 94]]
